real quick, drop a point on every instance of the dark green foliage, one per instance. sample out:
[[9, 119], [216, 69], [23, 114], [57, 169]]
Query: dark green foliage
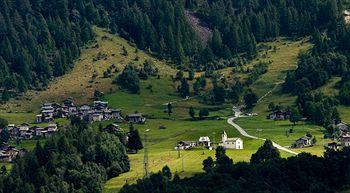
[[129, 79], [134, 140], [184, 88], [250, 99], [4, 135], [191, 112], [5, 95], [203, 113], [3, 169], [258, 70], [265, 153], [294, 115], [166, 172], [3, 123], [78, 159], [190, 74], [208, 164], [169, 108], [318, 108], [40, 40]]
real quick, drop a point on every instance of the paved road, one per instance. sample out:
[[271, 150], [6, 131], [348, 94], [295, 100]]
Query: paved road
[[244, 133]]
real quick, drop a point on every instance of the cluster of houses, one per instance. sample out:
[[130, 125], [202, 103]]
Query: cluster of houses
[[204, 141], [344, 137], [279, 115], [8, 153], [24, 131], [98, 111]]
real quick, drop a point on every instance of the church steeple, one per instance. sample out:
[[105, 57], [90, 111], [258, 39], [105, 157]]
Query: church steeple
[[223, 136]]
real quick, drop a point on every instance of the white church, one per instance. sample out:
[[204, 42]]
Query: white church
[[231, 143]]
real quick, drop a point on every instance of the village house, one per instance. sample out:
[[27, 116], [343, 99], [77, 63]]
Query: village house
[[231, 143], [333, 145], [343, 128], [185, 145], [279, 115], [111, 128], [304, 141], [204, 141], [135, 118], [13, 130], [8, 153], [23, 130], [116, 114], [345, 140]]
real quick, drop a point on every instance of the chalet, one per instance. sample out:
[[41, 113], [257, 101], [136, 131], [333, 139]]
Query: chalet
[[231, 143], [184, 145], [333, 145], [38, 131], [23, 130], [204, 141], [116, 114], [47, 115], [304, 141], [8, 153], [279, 115], [52, 128], [135, 118], [345, 140], [100, 105], [13, 130], [84, 109], [112, 128], [28, 135], [343, 127], [39, 118]]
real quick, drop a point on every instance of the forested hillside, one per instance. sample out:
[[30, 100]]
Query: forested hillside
[[39, 40], [329, 58]]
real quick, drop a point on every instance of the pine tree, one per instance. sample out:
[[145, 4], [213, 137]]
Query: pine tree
[[191, 112], [134, 140], [184, 88]]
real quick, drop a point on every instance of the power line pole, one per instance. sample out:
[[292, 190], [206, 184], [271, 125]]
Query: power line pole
[[145, 157], [183, 166]]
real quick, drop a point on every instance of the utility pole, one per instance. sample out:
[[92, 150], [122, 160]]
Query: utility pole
[[145, 157], [214, 140], [183, 166]]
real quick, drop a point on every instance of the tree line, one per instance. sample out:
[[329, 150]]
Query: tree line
[[77, 159]]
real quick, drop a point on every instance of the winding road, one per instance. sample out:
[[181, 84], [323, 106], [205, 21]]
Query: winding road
[[237, 113], [244, 133]]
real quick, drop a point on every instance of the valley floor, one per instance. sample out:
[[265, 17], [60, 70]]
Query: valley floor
[[80, 85]]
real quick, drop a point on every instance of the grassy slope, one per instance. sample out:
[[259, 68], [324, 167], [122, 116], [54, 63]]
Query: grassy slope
[[77, 83], [284, 59]]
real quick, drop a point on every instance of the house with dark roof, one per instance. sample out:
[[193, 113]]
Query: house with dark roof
[[135, 118], [304, 141]]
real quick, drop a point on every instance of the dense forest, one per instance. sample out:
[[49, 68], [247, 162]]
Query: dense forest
[[266, 172], [39, 39], [329, 58], [77, 159]]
